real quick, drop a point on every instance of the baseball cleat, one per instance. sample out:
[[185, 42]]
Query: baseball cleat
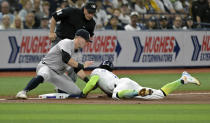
[[189, 79], [145, 91], [21, 95]]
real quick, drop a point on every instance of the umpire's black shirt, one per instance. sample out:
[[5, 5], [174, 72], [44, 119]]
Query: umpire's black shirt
[[72, 19]]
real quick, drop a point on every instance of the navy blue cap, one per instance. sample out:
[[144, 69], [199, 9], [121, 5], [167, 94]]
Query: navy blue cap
[[84, 34], [91, 7]]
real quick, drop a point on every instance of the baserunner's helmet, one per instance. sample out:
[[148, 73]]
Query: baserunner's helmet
[[106, 65]]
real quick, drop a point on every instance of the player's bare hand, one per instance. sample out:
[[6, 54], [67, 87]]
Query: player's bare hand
[[88, 63], [52, 36]]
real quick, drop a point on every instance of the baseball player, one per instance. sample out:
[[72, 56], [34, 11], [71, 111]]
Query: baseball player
[[65, 23], [53, 66], [127, 88]]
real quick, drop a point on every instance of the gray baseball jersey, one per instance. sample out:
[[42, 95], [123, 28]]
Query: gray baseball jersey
[[53, 59]]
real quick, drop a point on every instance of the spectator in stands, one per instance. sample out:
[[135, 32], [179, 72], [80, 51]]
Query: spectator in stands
[[71, 3], [80, 3], [124, 16], [17, 23], [151, 23], [29, 21], [5, 10], [198, 8], [164, 24], [119, 3], [27, 7], [206, 17], [133, 26], [64, 4], [44, 22], [37, 9], [113, 24], [5, 23], [139, 7], [117, 13], [14, 6], [177, 22], [189, 23], [108, 7], [46, 9], [53, 5], [182, 6], [166, 6], [100, 17], [152, 7]]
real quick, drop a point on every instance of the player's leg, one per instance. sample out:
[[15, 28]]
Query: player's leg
[[170, 87], [64, 83], [156, 94], [186, 78], [72, 75], [128, 88], [43, 73]]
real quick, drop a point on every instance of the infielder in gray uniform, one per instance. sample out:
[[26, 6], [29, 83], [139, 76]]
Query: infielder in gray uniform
[[53, 66]]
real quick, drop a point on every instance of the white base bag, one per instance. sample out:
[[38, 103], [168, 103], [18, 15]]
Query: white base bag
[[54, 96]]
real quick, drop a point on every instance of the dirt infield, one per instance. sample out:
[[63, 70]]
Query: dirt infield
[[195, 97], [181, 97]]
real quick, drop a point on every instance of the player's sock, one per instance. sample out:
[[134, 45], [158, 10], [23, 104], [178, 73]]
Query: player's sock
[[34, 83], [127, 93], [170, 87], [90, 84]]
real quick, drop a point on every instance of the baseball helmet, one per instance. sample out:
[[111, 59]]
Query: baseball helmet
[[108, 65]]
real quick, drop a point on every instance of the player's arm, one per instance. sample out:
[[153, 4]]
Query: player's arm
[[90, 84], [66, 57], [52, 35], [78, 67]]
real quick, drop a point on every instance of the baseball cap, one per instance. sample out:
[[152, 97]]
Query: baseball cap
[[91, 7], [163, 17], [134, 13], [84, 34]]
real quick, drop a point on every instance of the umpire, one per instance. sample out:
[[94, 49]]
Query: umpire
[[72, 19]]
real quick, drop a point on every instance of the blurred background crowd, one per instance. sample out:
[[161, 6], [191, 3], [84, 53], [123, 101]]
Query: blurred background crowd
[[111, 14]]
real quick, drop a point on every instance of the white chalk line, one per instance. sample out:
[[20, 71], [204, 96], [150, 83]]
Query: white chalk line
[[169, 94], [191, 94]]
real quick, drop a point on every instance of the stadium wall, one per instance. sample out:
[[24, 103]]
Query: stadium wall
[[23, 49]]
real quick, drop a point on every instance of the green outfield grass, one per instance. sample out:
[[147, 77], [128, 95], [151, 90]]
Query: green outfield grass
[[66, 113], [11, 85]]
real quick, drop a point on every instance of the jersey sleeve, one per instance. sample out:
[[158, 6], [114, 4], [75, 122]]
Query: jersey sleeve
[[64, 45], [62, 14]]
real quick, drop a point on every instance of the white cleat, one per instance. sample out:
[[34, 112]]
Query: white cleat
[[189, 79], [21, 95]]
